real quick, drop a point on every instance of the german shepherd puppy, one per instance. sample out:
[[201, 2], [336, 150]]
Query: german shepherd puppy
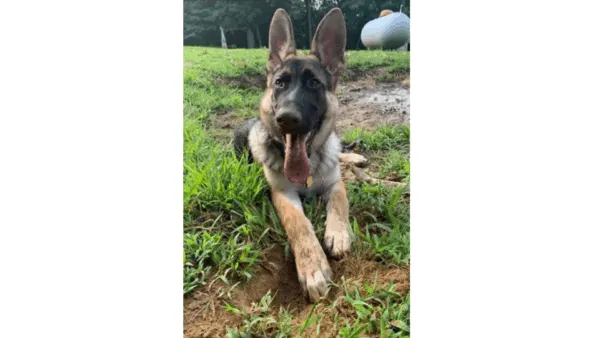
[[295, 141]]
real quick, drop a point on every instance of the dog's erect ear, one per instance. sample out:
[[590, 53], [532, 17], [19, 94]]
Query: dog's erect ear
[[329, 42], [281, 39]]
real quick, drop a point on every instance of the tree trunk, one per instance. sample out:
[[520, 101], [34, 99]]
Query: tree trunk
[[250, 38], [309, 12], [223, 39], [258, 36]]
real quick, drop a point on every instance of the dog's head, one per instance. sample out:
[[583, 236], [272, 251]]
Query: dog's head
[[298, 86]]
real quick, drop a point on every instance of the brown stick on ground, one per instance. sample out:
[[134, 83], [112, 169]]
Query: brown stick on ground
[[362, 176]]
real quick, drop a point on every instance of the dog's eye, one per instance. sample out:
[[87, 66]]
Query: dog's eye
[[314, 83], [279, 83]]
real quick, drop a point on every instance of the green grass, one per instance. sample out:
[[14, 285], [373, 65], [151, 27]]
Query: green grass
[[258, 322], [390, 137], [381, 221], [229, 221], [230, 256], [396, 164], [238, 62], [369, 308], [364, 60], [377, 311], [388, 146]]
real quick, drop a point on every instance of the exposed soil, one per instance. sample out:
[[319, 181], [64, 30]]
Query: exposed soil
[[367, 105], [223, 123], [205, 315]]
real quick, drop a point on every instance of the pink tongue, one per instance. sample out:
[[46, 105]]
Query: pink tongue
[[297, 166]]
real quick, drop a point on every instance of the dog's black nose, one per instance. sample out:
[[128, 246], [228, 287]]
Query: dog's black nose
[[288, 120]]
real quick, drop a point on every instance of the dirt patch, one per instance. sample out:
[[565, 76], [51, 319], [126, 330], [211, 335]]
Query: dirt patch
[[245, 81], [277, 274], [367, 104], [373, 97], [205, 316], [225, 119], [223, 123]]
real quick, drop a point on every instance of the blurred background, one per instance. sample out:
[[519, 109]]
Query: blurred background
[[245, 23]]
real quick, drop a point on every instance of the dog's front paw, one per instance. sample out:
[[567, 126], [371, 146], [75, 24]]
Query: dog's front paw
[[313, 269], [337, 239]]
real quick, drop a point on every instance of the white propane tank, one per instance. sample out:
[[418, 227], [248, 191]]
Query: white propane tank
[[390, 31]]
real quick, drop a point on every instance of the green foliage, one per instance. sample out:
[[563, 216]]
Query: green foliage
[[214, 178], [378, 202], [396, 61], [203, 17], [397, 164], [388, 243], [378, 311], [222, 181], [391, 137], [206, 63], [258, 323], [375, 310], [384, 221], [229, 258]]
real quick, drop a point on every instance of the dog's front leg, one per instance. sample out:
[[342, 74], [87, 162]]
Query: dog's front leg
[[337, 229], [311, 263]]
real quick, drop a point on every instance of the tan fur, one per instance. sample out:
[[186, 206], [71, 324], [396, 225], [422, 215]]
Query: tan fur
[[337, 228], [295, 223], [338, 202], [311, 262]]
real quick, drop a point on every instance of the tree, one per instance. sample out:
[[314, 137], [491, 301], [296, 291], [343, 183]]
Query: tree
[[201, 16], [247, 21], [309, 16]]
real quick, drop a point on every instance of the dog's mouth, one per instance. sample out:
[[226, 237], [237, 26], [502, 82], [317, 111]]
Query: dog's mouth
[[296, 166]]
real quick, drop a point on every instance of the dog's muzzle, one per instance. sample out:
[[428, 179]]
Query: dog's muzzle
[[288, 120]]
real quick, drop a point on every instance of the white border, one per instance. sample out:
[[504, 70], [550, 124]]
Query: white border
[[504, 166], [504, 169], [91, 175]]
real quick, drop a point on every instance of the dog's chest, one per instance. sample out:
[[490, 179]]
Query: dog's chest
[[324, 163]]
